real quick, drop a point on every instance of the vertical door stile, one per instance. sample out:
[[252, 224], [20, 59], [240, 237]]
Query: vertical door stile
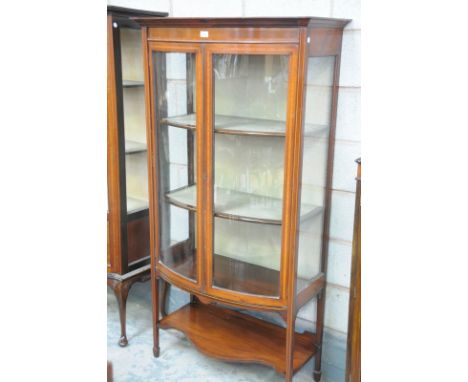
[[208, 167], [201, 167]]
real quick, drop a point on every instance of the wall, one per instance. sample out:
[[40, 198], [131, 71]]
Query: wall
[[346, 150]]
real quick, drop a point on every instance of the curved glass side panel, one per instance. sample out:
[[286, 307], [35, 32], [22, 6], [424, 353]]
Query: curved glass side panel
[[319, 92]]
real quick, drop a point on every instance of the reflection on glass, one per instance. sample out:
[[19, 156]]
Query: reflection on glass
[[250, 100], [319, 89], [176, 153]]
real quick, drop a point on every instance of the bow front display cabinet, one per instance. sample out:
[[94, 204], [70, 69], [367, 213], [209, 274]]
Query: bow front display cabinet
[[241, 122]]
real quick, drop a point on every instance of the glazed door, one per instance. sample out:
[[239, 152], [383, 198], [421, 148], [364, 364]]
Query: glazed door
[[175, 72], [251, 91]]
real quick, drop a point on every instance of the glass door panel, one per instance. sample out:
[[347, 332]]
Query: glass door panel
[[176, 146], [250, 94]]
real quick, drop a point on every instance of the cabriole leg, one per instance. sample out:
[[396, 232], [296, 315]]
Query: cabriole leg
[[121, 289]]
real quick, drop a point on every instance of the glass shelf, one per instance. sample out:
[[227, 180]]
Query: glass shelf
[[135, 205], [236, 205], [132, 83], [243, 126], [133, 147]]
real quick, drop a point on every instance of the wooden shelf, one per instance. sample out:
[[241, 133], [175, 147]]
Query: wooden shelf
[[256, 280], [132, 147], [236, 205], [132, 83], [135, 205], [225, 124], [233, 336]]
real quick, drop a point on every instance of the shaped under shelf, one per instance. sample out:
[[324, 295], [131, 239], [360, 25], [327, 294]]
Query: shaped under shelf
[[243, 206], [225, 124], [234, 336]]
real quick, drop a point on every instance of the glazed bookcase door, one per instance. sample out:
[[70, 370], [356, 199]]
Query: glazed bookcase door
[[251, 93], [134, 145], [127, 149], [176, 115]]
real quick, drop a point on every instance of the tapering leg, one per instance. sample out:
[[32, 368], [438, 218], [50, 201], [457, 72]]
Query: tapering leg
[[155, 303], [290, 326], [320, 323], [121, 293]]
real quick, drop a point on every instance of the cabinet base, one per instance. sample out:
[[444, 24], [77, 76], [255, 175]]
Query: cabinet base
[[232, 336]]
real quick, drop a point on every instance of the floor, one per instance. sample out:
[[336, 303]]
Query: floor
[[179, 360]]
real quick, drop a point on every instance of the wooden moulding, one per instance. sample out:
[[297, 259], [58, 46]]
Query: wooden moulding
[[241, 22], [232, 336]]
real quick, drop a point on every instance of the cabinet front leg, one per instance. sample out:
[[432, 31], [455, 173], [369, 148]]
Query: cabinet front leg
[[290, 327]]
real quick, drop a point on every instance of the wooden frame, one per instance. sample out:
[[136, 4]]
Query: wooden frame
[[261, 36], [128, 232]]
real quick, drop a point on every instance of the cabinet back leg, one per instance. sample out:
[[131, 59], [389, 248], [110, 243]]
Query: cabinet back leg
[[320, 323], [155, 303]]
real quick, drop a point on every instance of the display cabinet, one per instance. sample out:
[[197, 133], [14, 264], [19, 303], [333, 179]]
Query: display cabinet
[[241, 123], [127, 175]]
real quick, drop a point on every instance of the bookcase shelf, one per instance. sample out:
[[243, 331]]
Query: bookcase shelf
[[233, 125], [132, 83], [133, 147]]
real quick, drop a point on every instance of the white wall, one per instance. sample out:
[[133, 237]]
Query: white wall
[[348, 143]]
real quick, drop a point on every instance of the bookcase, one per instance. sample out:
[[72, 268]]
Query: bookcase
[[127, 172]]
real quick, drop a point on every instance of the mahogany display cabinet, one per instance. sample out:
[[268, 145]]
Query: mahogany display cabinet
[[127, 176], [241, 126]]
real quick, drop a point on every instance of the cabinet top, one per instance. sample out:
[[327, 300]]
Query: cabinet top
[[242, 22]]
